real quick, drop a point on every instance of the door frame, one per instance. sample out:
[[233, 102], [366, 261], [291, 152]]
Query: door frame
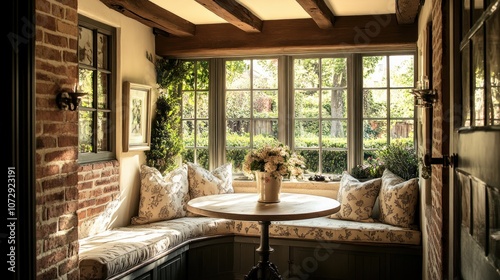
[[19, 60]]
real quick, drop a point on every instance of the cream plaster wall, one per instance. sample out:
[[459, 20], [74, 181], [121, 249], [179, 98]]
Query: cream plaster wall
[[134, 40]]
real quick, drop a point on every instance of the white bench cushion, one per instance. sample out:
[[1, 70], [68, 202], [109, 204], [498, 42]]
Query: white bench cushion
[[328, 229], [117, 250]]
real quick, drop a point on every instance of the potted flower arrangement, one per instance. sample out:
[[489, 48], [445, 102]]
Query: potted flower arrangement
[[270, 164], [277, 160]]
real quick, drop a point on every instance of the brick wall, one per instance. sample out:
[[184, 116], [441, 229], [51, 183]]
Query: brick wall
[[65, 191], [56, 141], [99, 190], [437, 219]]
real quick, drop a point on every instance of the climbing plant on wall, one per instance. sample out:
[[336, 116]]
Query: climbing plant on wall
[[166, 139]]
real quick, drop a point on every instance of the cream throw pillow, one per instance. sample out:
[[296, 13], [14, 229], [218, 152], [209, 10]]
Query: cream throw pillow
[[398, 200], [203, 182], [356, 198], [162, 197]]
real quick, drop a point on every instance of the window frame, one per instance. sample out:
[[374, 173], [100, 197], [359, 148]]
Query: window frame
[[98, 27], [286, 119], [388, 87]]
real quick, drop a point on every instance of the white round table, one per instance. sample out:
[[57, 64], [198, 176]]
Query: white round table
[[244, 206]]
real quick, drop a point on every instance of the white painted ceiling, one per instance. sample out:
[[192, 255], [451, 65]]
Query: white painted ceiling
[[276, 9]]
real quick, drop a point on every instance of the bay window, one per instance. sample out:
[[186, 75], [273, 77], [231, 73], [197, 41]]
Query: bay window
[[334, 110]]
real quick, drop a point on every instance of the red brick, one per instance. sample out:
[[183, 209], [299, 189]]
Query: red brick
[[67, 222], [53, 183], [45, 229], [62, 155], [45, 142], [71, 193], [68, 141], [54, 197]]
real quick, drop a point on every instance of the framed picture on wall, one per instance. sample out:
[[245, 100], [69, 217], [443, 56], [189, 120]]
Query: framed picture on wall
[[136, 117]]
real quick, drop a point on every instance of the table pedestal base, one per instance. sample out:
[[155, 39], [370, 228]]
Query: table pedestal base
[[264, 270]]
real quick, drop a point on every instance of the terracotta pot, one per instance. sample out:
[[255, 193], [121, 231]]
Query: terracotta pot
[[268, 187]]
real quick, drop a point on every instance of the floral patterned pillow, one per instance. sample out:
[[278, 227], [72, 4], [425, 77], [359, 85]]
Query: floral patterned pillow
[[356, 198], [162, 197], [203, 182], [398, 200]]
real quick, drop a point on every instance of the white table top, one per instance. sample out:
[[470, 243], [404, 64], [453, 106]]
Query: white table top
[[244, 206]]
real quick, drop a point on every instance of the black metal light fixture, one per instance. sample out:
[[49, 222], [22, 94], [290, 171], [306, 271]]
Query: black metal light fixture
[[67, 100]]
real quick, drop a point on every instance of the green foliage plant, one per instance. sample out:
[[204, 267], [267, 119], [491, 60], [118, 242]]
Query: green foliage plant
[[372, 168], [166, 139], [401, 159]]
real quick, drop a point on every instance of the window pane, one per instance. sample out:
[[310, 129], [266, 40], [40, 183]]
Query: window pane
[[374, 133], [492, 47], [202, 77], [102, 90], [402, 73], [188, 105], [334, 103], [374, 71], [102, 51], [266, 128], [402, 103], [265, 104], [306, 104], [202, 134], [85, 84], [265, 74], [236, 158], [312, 160], [202, 104], [188, 84], [188, 154], [85, 132], [85, 46], [478, 77], [334, 72], [466, 109], [237, 133], [238, 104], [306, 73], [306, 134], [334, 162], [374, 103], [334, 134], [202, 158], [402, 129], [188, 133], [238, 74], [102, 131]]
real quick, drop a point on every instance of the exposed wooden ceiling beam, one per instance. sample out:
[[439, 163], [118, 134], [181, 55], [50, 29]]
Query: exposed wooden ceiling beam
[[319, 12], [407, 11], [153, 16], [234, 13], [350, 33]]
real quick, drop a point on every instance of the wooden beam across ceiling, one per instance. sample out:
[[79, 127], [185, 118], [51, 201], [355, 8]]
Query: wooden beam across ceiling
[[319, 12], [234, 13], [153, 16], [407, 11], [350, 33]]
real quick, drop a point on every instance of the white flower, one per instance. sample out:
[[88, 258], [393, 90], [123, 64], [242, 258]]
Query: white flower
[[276, 160]]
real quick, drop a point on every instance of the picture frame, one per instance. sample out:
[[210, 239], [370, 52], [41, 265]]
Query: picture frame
[[136, 117]]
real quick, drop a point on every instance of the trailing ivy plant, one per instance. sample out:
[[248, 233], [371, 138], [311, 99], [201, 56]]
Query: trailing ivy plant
[[166, 140]]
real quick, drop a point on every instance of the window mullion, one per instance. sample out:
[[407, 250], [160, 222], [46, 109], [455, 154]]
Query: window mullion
[[355, 110], [216, 114], [285, 102]]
